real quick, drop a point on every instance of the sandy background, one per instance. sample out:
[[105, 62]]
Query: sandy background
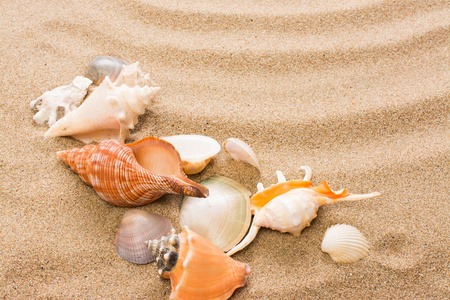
[[357, 90]]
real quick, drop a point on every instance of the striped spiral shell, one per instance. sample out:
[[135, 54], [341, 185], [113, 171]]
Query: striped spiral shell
[[134, 174]]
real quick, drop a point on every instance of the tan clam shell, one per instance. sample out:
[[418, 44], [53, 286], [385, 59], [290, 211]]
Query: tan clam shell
[[197, 268], [241, 151], [103, 66], [223, 217], [345, 243], [133, 174], [196, 151], [136, 227]]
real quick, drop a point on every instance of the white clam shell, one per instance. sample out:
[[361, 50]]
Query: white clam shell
[[241, 151], [223, 217], [110, 111], [67, 97], [196, 151], [345, 243]]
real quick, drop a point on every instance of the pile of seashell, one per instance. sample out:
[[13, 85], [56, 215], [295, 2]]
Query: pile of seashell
[[197, 260]]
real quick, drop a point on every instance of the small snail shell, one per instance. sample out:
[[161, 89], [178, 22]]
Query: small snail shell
[[103, 66]]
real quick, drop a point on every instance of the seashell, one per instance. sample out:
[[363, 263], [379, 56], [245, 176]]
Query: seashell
[[290, 206], [136, 227], [345, 243], [133, 174], [197, 268], [108, 113], [241, 151], [66, 97], [196, 151], [223, 217], [103, 66]]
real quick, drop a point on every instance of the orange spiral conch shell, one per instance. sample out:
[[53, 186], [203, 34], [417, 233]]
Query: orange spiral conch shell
[[201, 270], [133, 174]]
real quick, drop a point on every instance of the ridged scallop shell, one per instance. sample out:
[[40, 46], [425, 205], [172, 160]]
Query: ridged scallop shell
[[197, 268], [103, 66], [223, 217], [345, 243], [133, 174], [290, 206], [196, 151], [110, 111], [241, 151], [66, 97], [136, 227]]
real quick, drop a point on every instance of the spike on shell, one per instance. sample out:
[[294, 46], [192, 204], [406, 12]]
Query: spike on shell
[[133, 174]]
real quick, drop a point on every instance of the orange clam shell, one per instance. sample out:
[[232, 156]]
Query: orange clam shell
[[203, 271], [133, 174]]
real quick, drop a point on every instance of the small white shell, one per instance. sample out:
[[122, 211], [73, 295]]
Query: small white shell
[[223, 217], [241, 151], [196, 151], [68, 97], [345, 243]]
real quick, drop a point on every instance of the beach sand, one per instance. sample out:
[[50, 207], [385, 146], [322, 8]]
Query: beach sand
[[359, 91]]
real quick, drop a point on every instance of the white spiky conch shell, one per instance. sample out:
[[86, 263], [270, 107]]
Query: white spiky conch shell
[[345, 243], [110, 111], [290, 206]]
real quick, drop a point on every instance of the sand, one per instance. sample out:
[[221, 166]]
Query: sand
[[359, 91]]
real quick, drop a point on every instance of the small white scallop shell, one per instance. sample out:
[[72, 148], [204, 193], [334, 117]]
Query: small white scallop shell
[[345, 243], [241, 151], [196, 151]]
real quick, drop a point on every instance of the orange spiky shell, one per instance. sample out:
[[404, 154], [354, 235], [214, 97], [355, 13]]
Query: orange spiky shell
[[290, 206], [201, 271], [133, 174]]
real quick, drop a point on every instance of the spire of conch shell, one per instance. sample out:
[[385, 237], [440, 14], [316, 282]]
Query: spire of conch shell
[[111, 110]]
